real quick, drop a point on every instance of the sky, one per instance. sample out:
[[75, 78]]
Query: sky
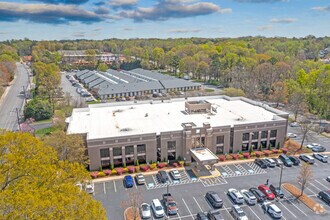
[[104, 19]]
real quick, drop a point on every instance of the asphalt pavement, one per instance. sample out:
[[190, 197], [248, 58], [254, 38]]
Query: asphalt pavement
[[68, 88], [14, 99]]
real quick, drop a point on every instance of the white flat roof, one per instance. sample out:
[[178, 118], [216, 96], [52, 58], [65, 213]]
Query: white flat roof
[[129, 118], [203, 154]]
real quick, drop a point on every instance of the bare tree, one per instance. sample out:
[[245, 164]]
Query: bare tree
[[133, 203], [297, 103], [305, 176], [305, 126]]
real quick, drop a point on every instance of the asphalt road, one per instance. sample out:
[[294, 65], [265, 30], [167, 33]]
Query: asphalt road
[[13, 100], [190, 194]]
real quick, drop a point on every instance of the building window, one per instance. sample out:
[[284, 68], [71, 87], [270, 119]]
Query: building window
[[219, 150], [105, 163], [272, 143], [171, 145], [171, 156], [245, 147], [141, 148], [246, 136], [117, 162], [273, 133], [264, 134], [255, 135], [254, 145], [129, 150], [141, 159], [104, 152], [117, 151], [220, 139]]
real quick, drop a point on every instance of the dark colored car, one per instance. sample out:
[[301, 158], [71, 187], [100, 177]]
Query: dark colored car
[[214, 199], [295, 160], [318, 149], [214, 215], [128, 181], [162, 176], [276, 190], [286, 160], [201, 216], [261, 163], [258, 194], [325, 196]]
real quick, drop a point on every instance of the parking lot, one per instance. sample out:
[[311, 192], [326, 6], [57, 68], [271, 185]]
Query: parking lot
[[189, 193]]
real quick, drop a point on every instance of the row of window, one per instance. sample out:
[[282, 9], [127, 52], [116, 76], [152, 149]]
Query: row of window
[[255, 135], [117, 151]]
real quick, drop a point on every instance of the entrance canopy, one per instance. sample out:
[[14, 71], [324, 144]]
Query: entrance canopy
[[203, 156]]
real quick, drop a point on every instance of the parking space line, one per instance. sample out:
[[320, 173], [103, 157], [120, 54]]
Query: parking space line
[[179, 215], [188, 208], [135, 185], [254, 213], [295, 206], [315, 186], [114, 185], [105, 192], [321, 184], [198, 204], [227, 211], [287, 209]]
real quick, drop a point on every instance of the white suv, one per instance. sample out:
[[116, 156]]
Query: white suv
[[310, 146], [157, 208], [249, 197], [238, 213], [321, 157], [236, 196], [272, 210]]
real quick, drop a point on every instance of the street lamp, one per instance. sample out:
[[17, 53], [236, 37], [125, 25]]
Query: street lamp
[[281, 176], [167, 203]]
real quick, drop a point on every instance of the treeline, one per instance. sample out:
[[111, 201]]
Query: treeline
[[273, 69]]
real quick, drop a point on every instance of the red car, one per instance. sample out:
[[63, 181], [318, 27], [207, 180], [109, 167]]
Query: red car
[[269, 194]]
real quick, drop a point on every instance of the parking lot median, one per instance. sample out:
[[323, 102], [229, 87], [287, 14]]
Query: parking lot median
[[309, 202]]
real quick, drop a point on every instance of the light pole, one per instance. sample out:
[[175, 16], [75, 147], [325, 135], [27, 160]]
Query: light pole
[[167, 203], [281, 176]]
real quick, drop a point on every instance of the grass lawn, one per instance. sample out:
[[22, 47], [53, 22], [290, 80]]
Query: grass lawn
[[94, 102], [209, 90], [45, 131]]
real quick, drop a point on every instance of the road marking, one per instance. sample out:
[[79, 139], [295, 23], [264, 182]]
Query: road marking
[[321, 184], [315, 186], [135, 185], [188, 208], [254, 213], [178, 215], [287, 209], [198, 204], [105, 192], [114, 185], [227, 211], [295, 206]]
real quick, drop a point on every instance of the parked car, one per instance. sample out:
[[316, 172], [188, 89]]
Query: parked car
[[201, 216], [175, 174], [310, 146], [157, 208], [214, 215], [238, 213], [307, 158], [128, 181], [249, 198], [328, 179], [272, 210], [291, 135], [318, 149], [214, 199], [278, 192], [325, 196], [278, 161], [294, 124], [145, 211], [268, 193], [139, 178], [89, 187], [321, 157], [235, 195], [170, 204], [286, 160], [258, 194], [162, 176], [270, 162], [294, 160], [261, 163]]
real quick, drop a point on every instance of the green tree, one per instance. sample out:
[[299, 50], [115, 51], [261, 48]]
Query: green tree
[[102, 67], [34, 184], [38, 109]]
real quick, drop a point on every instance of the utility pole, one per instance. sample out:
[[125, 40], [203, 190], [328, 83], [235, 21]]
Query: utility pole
[[281, 176], [17, 114]]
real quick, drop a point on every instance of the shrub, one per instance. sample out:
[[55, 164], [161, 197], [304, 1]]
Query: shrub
[[113, 172], [101, 174], [175, 164], [125, 170], [228, 157], [267, 152], [222, 158], [144, 167], [119, 170], [152, 166], [234, 156], [246, 155], [137, 168], [131, 169], [94, 175], [181, 163], [280, 151], [240, 157], [253, 154], [38, 109], [258, 153], [285, 150], [275, 151], [161, 165], [107, 172]]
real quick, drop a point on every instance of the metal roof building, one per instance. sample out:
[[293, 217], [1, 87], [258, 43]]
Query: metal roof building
[[112, 83]]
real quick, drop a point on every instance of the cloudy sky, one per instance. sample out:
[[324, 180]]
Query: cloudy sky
[[102, 19]]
